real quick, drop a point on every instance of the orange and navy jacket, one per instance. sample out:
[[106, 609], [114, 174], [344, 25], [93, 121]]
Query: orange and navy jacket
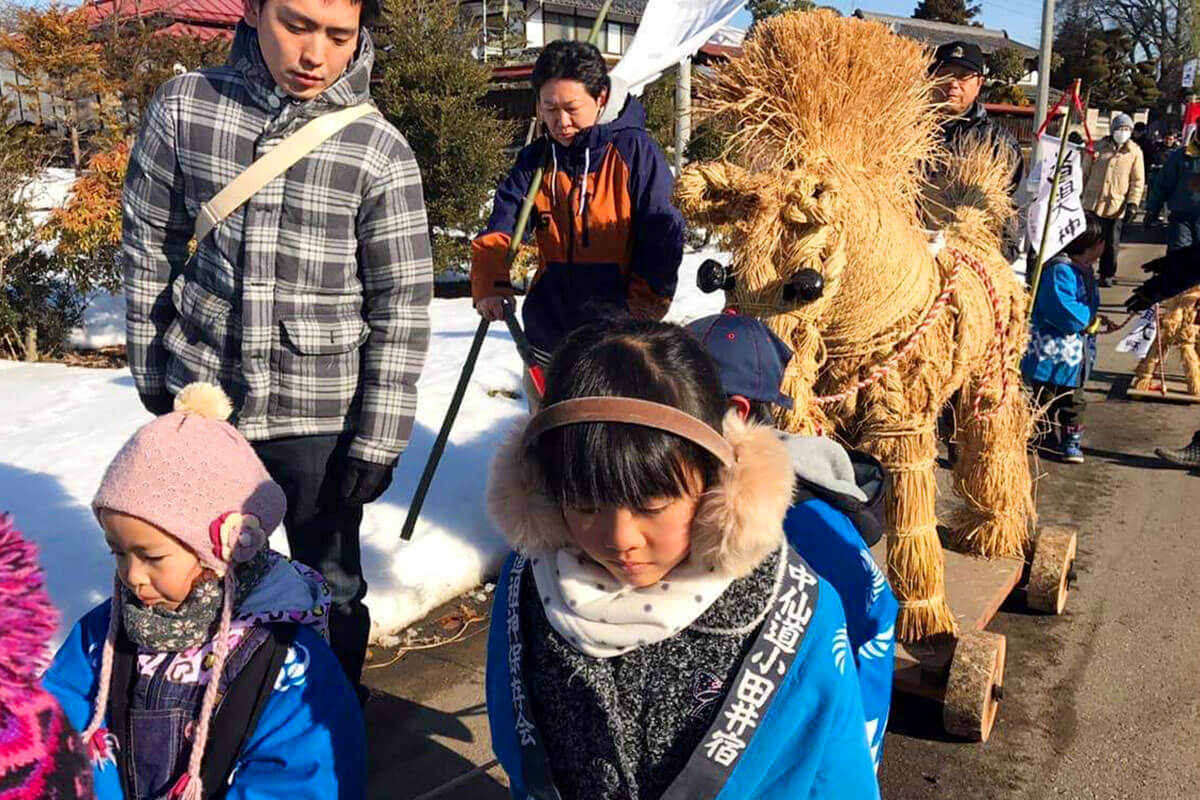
[[607, 234]]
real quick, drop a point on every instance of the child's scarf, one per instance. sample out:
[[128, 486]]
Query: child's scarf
[[602, 618], [158, 630]]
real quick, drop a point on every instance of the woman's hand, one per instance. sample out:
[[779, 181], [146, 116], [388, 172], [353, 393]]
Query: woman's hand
[[491, 308]]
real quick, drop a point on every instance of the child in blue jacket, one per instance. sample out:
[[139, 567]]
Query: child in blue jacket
[[207, 673], [837, 509], [654, 635], [1062, 340]]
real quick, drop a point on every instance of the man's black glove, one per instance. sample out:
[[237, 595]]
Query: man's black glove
[[1130, 210], [157, 404], [363, 481], [1139, 301]]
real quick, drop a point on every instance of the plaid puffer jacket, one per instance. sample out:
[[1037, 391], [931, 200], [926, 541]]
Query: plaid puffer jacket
[[309, 304]]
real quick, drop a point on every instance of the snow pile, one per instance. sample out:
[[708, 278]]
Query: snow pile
[[47, 192], [62, 425]]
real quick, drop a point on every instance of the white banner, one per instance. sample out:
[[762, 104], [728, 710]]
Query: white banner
[[670, 31], [1139, 340], [1189, 74], [1067, 220]]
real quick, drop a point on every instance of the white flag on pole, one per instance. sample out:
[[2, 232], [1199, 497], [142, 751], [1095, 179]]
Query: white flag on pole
[[670, 31], [1139, 340], [1067, 220]]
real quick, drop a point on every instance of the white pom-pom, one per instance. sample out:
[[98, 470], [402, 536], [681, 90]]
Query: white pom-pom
[[205, 400]]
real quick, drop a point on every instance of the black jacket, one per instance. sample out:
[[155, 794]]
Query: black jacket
[[868, 517], [977, 122], [1174, 273]]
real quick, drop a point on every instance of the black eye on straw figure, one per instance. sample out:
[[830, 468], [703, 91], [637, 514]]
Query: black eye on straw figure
[[805, 286]]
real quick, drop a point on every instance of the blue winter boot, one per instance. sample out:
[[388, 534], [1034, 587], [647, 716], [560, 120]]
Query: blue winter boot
[[1072, 441]]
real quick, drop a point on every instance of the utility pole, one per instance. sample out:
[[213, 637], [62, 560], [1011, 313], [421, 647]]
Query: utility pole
[[1043, 93], [683, 112]]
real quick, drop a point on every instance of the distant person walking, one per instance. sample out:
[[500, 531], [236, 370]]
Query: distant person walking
[[1178, 188], [1113, 183]]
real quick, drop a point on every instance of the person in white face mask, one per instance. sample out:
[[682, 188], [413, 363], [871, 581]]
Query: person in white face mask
[[1114, 179]]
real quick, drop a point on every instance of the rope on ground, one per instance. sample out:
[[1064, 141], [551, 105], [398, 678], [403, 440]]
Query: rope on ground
[[403, 651]]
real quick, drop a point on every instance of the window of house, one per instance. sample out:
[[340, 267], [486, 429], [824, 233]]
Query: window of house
[[558, 26], [627, 32], [614, 43]]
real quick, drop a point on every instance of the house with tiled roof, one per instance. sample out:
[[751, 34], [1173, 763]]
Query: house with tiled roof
[[203, 19], [934, 34]]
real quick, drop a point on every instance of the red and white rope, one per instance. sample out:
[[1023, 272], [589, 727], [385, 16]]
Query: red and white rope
[[884, 367], [995, 352]]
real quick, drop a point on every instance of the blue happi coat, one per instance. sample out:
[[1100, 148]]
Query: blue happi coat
[[809, 742], [825, 537], [1061, 352], [309, 743]]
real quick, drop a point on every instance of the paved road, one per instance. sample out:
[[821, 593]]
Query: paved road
[[1101, 703]]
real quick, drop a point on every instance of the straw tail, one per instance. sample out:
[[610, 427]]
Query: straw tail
[[915, 565]]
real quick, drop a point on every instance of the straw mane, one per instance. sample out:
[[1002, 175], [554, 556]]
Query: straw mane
[[968, 194], [817, 87]]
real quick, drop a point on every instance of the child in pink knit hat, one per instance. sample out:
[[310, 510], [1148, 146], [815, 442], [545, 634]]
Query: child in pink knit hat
[[208, 672]]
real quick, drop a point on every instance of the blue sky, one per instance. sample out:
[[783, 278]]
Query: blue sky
[[1021, 18]]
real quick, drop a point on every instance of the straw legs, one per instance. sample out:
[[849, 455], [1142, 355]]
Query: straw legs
[[991, 473], [915, 565]]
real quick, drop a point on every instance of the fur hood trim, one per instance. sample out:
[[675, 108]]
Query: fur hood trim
[[739, 521]]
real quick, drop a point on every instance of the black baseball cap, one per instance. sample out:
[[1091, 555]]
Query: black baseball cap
[[962, 54]]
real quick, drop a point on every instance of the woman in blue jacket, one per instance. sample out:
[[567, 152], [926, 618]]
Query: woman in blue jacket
[[1062, 341], [654, 635]]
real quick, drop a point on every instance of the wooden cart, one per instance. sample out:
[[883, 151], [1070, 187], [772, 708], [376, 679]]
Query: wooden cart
[[966, 674]]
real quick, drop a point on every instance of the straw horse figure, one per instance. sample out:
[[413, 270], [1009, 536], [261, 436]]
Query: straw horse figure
[[833, 142], [1178, 329]]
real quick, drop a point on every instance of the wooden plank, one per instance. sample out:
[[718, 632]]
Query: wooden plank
[[1177, 392], [975, 590]]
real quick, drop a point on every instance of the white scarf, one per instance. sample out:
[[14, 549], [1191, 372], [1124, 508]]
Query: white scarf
[[601, 617]]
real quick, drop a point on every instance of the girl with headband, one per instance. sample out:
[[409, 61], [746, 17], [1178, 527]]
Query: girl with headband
[[654, 636]]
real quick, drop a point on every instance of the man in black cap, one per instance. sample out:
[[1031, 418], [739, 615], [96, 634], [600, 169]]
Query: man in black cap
[[959, 69]]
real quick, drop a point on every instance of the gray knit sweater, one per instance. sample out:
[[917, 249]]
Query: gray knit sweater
[[623, 728]]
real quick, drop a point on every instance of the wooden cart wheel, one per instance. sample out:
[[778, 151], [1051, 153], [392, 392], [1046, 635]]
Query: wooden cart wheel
[[1050, 572], [975, 685]]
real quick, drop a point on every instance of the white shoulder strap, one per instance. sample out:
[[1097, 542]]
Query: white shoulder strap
[[273, 164]]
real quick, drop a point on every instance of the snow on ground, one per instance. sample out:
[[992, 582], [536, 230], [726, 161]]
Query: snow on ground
[[48, 191], [62, 425]]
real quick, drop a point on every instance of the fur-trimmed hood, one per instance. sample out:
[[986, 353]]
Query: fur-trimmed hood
[[739, 521]]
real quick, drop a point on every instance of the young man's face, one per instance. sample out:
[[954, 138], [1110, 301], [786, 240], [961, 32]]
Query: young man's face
[[306, 43], [957, 87]]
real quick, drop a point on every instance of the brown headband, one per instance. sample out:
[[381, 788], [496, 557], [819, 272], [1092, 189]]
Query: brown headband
[[634, 412]]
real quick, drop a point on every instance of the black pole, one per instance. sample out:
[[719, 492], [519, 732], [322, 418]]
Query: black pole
[[439, 444]]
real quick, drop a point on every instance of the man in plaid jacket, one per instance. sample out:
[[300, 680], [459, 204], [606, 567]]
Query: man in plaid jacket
[[308, 304]]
